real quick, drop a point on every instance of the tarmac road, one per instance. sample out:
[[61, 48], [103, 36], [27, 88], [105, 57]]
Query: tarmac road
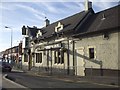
[[8, 84], [33, 81]]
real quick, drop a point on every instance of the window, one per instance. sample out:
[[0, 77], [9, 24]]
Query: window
[[27, 41], [62, 57], [106, 36], [39, 34], [38, 57], [55, 56], [91, 53], [25, 58], [44, 52], [59, 27], [59, 57]]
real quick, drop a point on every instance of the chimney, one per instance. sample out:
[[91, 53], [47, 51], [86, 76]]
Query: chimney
[[88, 5], [47, 22]]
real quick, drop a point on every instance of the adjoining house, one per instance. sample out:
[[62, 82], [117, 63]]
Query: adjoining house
[[83, 44], [11, 54]]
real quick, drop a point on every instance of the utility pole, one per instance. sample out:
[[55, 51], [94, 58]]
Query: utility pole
[[68, 71], [11, 41], [29, 59]]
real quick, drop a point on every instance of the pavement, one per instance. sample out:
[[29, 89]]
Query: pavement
[[6, 83], [101, 80]]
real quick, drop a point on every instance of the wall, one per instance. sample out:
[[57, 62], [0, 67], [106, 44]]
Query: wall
[[106, 54], [59, 66], [106, 51], [119, 50]]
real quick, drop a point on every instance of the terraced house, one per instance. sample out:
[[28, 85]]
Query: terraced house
[[83, 44]]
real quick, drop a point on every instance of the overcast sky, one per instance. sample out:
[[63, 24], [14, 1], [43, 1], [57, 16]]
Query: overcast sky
[[16, 13]]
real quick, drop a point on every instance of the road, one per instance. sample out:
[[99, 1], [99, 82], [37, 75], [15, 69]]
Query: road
[[0, 80], [8, 84], [33, 81]]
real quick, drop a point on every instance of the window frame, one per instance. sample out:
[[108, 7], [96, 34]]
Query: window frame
[[92, 53], [39, 57], [25, 58]]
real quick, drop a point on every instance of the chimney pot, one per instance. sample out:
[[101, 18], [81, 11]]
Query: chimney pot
[[47, 22], [88, 5]]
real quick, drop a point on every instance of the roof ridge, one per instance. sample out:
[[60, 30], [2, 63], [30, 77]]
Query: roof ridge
[[108, 9], [64, 18]]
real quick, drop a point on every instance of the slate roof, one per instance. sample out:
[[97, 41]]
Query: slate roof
[[69, 23], [96, 23], [33, 31]]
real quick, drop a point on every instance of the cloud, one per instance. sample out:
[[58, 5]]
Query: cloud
[[28, 8], [99, 6], [104, 0], [39, 17], [16, 29], [50, 7], [7, 6], [37, 13], [57, 0], [74, 5], [31, 20]]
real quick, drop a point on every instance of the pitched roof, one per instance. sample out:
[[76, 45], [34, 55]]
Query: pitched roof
[[33, 31], [69, 23], [104, 20]]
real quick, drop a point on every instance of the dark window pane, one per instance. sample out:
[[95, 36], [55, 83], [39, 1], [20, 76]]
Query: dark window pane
[[55, 56], [91, 53], [27, 41], [62, 57], [25, 58], [38, 57], [59, 57]]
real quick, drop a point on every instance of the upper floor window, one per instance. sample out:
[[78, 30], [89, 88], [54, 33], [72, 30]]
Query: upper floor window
[[39, 33], [58, 27], [91, 53], [26, 41]]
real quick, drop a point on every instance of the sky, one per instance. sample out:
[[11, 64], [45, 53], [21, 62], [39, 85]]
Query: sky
[[16, 13]]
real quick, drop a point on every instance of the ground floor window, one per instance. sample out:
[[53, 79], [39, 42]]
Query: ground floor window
[[55, 56], [58, 57], [25, 58], [62, 57], [38, 57]]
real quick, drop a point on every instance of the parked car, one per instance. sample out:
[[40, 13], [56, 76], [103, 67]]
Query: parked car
[[5, 66]]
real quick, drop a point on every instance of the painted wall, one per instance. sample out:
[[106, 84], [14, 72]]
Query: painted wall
[[119, 50], [105, 51], [54, 65]]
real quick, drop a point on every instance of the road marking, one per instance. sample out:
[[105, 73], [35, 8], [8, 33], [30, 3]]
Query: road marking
[[20, 86]]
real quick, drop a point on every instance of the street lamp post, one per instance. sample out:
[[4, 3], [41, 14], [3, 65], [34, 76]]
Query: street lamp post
[[11, 40]]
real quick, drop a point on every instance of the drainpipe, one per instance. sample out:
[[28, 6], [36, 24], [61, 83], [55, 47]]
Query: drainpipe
[[29, 61], [101, 70], [73, 57], [51, 59], [68, 58], [47, 59]]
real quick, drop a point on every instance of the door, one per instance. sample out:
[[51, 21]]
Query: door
[[80, 69]]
